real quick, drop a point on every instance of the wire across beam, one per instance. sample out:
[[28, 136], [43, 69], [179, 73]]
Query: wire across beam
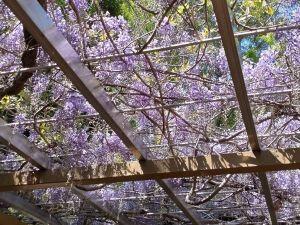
[[154, 107], [232, 163]]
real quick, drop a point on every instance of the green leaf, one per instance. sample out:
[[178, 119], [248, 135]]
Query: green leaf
[[61, 3], [269, 39], [231, 118], [133, 123], [270, 10], [252, 54]]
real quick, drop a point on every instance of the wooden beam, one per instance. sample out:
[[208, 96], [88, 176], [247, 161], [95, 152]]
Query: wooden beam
[[26, 207], [232, 55], [105, 207], [268, 196], [37, 22], [244, 162], [234, 63], [9, 220], [23, 147]]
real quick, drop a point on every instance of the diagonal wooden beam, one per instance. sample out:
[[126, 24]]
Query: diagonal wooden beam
[[23, 147], [268, 196], [234, 63], [37, 22], [105, 207], [243, 162], [232, 54], [26, 207]]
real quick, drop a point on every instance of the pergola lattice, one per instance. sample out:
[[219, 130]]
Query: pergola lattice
[[36, 20]]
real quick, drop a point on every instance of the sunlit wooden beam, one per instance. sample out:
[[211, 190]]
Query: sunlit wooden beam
[[244, 162]]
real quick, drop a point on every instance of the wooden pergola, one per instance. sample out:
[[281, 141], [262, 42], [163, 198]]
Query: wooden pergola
[[258, 160]]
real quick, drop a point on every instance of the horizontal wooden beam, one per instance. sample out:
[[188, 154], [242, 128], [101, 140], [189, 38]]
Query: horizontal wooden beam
[[28, 208], [244, 162], [20, 144]]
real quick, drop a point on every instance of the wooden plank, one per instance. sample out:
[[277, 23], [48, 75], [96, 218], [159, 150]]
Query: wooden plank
[[36, 21], [231, 51], [9, 220], [187, 209], [105, 207], [268, 196], [234, 63], [26, 207], [244, 162], [23, 147]]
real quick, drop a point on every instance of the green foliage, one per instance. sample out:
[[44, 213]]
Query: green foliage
[[133, 123], [112, 6], [118, 8], [258, 44], [61, 3], [252, 54], [92, 8], [231, 118], [220, 121], [268, 39], [111, 90], [8, 108], [258, 8], [4, 30], [226, 120], [127, 11]]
